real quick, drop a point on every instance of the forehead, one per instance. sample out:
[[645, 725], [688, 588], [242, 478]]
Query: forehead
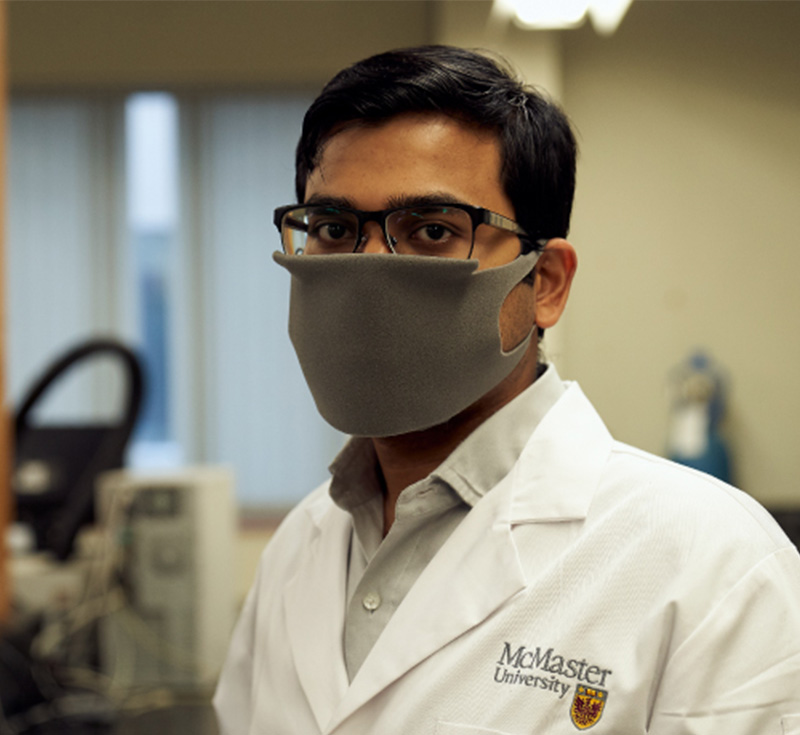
[[408, 155]]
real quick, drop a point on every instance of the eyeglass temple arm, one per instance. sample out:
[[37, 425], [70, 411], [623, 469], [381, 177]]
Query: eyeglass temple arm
[[530, 245]]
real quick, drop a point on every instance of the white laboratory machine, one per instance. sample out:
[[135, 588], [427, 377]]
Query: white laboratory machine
[[167, 577]]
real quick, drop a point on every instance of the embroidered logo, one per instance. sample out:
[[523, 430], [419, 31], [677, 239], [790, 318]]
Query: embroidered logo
[[587, 706], [543, 669]]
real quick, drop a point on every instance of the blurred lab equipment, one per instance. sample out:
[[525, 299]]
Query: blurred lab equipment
[[140, 626], [699, 395], [56, 465], [167, 569], [122, 581]]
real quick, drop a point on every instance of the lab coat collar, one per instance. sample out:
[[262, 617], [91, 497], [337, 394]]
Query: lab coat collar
[[557, 474]]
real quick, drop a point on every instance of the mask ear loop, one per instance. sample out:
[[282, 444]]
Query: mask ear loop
[[531, 276], [539, 246]]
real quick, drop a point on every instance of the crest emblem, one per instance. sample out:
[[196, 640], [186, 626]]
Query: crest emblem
[[587, 706]]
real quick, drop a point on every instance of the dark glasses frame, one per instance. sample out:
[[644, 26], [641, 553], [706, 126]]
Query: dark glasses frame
[[478, 216]]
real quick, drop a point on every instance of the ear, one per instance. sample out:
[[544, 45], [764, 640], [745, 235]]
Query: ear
[[555, 270]]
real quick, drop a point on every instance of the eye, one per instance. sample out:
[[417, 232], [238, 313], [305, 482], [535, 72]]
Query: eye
[[330, 231], [433, 233], [436, 230]]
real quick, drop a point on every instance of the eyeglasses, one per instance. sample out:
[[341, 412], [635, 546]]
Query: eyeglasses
[[443, 230]]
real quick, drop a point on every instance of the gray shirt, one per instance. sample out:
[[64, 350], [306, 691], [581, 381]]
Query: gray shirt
[[382, 570]]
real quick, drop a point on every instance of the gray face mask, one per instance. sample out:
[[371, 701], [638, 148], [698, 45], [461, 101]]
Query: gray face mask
[[391, 344]]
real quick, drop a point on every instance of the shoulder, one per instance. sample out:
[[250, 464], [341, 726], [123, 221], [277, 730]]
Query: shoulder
[[294, 535], [687, 532], [672, 495], [686, 542], [305, 517], [573, 468]]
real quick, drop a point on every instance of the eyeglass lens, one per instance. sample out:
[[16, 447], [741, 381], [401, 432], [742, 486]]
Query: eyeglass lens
[[437, 231]]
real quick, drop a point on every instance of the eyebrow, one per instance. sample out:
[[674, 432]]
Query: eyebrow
[[326, 201], [395, 202]]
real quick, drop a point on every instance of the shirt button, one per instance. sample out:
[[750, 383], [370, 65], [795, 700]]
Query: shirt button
[[371, 601]]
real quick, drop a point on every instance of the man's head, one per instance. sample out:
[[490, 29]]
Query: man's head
[[537, 147], [426, 152]]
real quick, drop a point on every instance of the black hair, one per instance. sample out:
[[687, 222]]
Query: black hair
[[537, 144]]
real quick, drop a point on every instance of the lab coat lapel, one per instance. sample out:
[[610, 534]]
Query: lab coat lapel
[[455, 592], [314, 606], [560, 468]]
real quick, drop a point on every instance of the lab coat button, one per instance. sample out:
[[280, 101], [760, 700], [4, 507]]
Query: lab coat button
[[371, 601]]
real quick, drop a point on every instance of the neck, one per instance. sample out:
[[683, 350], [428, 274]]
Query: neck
[[408, 458]]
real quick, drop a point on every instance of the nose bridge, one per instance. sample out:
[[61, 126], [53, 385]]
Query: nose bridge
[[373, 238]]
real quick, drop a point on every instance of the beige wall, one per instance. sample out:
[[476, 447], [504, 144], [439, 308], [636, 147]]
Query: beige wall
[[686, 219], [124, 43]]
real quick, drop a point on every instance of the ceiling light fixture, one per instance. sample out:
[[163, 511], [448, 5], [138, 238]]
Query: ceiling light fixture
[[605, 15]]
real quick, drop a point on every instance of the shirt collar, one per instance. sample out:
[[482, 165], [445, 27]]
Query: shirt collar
[[484, 458], [488, 454]]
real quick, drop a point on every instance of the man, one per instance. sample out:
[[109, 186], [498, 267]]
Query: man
[[485, 558]]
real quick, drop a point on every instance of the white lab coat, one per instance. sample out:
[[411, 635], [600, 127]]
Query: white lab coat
[[670, 598]]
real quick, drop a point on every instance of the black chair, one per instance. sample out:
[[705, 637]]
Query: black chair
[[55, 466]]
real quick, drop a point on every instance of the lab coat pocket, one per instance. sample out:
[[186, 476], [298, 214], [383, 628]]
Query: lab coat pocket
[[791, 724], [453, 728]]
